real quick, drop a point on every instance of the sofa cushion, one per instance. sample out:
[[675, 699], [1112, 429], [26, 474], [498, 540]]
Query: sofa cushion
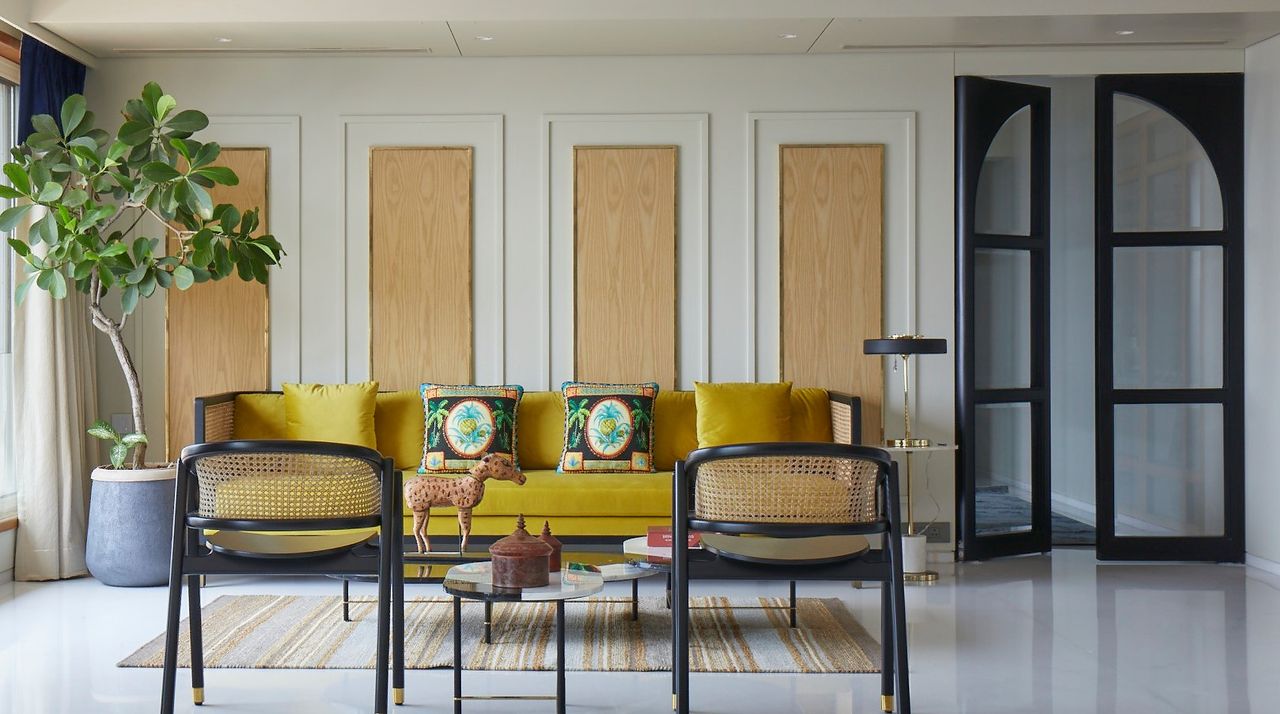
[[339, 413], [608, 427], [810, 414], [546, 494], [675, 428], [259, 416], [398, 423], [465, 422], [742, 412], [540, 430]]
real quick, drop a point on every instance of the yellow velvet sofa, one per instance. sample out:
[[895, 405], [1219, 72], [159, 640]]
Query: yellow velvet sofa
[[578, 505]]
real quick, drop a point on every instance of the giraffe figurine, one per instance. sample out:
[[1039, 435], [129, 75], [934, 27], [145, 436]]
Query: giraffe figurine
[[463, 492]]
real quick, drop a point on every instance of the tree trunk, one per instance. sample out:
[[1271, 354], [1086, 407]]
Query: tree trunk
[[113, 331]]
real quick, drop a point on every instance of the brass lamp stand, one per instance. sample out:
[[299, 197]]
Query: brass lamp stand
[[904, 346]]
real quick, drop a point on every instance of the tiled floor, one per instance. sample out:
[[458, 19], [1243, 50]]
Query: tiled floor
[[1053, 634]]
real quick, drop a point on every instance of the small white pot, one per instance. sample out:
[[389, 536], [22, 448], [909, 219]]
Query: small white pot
[[914, 558]]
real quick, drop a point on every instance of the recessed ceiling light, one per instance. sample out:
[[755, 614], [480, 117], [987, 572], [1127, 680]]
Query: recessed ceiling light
[[484, 38], [223, 39], [787, 36], [1124, 33]]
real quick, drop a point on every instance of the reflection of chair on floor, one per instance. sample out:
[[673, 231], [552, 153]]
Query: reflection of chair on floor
[[785, 491], [239, 487]]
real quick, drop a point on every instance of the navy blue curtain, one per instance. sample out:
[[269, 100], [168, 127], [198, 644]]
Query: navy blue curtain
[[48, 78]]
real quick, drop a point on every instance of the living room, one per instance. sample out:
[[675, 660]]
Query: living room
[[861, 221]]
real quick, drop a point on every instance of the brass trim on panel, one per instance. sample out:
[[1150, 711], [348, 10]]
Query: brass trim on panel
[[471, 213], [266, 335], [675, 230]]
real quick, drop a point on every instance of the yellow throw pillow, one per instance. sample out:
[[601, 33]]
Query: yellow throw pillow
[[810, 414], [742, 412], [340, 413], [259, 416], [398, 423]]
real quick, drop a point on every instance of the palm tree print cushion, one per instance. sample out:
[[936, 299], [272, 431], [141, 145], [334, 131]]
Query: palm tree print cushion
[[608, 427], [465, 422]]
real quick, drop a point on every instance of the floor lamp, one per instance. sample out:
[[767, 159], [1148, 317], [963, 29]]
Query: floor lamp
[[904, 346]]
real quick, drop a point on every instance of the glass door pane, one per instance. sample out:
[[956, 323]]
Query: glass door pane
[[1169, 469], [1002, 318], [1003, 468]]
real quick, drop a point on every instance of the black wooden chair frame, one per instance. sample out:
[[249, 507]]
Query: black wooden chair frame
[[191, 559], [883, 564]]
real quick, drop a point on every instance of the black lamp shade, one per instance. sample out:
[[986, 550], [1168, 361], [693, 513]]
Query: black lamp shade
[[905, 346]]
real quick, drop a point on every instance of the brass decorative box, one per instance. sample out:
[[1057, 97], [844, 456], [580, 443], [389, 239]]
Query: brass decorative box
[[520, 560]]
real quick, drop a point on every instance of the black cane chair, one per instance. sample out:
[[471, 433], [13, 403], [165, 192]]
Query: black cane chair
[[238, 488], [788, 491]]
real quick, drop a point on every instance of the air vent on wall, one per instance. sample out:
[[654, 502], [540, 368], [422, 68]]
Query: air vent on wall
[[1041, 45]]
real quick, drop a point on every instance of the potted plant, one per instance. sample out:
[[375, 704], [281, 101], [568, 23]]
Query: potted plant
[[110, 205]]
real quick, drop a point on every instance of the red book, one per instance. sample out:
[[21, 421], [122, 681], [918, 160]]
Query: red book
[[660, 537]]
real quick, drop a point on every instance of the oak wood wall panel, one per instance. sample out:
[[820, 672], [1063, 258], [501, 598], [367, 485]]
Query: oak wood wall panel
[[420, 226], [625, 325], [217, 332], [831, 203]]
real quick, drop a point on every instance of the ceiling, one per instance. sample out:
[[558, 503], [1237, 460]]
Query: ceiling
[[495, 28]]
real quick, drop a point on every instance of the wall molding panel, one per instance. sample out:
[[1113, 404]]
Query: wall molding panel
[[484, 134], [687, 132], [626, 318], [766, 132]]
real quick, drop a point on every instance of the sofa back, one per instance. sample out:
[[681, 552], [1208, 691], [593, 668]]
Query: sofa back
[[399, 424]]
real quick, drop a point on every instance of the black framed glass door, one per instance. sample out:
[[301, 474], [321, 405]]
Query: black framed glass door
[[1170, 320], [1002, 317]]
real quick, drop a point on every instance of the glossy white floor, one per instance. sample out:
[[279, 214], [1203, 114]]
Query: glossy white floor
[[1056, 634]]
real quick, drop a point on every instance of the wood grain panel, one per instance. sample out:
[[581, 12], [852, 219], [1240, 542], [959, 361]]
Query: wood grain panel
[[832, 214], [625, 264], [420, 266], [217, 333]]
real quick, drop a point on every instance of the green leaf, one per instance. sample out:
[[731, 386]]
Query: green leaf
[[129, 299], [134, 133], [18, 178], [230, 217], [101, 429], [151, 94], [21, 293], [204, 203], [10, 217], [75, 198], [9, 192], [184, 147], [45, 229], [164, 105], [136, 110], [72, 113], [188, 121], [113, 249], [134, 439], [183, 277], [206, 155], [45, 124], [159, 172], [59, 287], [52, 191], [41, 141], [19, 247], [219, 174], [118, 454]]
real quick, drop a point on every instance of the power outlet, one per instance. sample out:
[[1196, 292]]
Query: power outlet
[[937, 532]]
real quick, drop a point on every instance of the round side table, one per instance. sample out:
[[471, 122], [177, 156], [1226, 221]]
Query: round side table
[[474, 581]]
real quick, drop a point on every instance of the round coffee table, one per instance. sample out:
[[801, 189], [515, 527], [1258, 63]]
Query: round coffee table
[[474, 581]]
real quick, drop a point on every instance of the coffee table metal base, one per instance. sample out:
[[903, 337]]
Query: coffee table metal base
[[459, 698]]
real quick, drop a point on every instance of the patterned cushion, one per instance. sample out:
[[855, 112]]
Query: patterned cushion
[[608, 427], [465, 422]]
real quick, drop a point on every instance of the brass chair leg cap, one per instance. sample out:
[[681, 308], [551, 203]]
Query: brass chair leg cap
[[397, 696], [886, 702], [197, 695]]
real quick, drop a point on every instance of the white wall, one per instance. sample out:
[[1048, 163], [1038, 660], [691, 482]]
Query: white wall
[[329, 95], [1262, 295], [6, 555]]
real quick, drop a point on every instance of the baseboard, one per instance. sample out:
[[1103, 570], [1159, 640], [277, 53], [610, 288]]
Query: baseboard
[[940, 556], [1266, 566], [1074, 509]]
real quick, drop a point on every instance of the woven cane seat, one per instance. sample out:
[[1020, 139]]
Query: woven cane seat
[[801, 489], [286, 486]]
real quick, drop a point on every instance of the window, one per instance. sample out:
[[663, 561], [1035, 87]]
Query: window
[[8, 482]]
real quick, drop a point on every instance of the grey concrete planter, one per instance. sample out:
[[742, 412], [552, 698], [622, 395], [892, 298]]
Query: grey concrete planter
[[130, 526]]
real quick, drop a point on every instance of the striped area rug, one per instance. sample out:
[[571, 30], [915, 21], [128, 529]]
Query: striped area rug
[[727, 635]]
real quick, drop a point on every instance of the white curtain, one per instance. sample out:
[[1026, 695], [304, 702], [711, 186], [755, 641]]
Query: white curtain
[[55, 400]]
